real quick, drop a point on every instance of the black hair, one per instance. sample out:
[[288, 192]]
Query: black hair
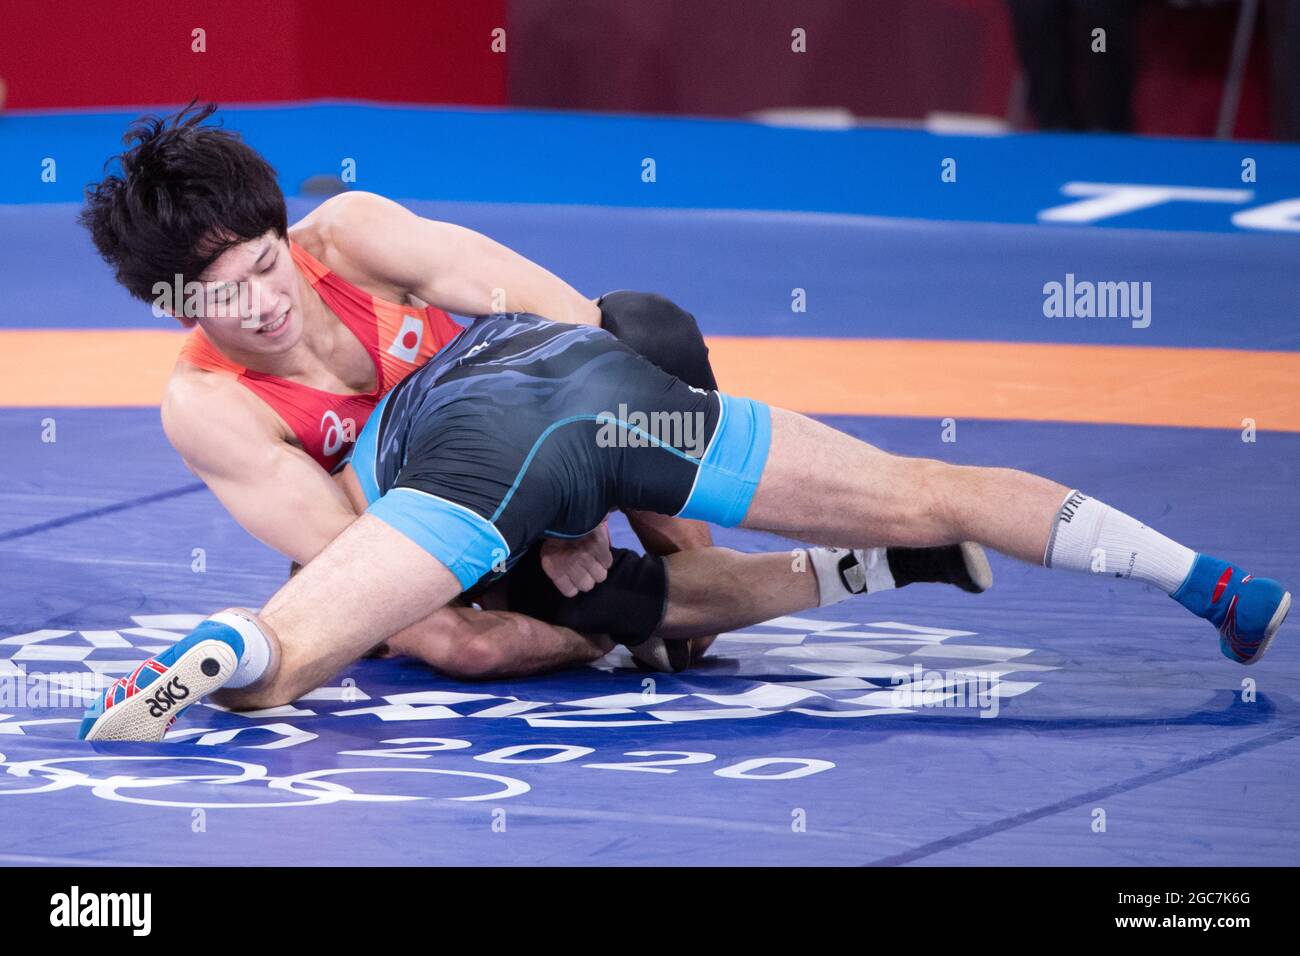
[[184, 194]]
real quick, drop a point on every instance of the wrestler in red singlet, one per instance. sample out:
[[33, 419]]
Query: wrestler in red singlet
[[398, 338]]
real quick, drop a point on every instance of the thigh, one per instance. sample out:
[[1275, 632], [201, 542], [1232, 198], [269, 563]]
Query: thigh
[[473, 501], [823, 486], [369, 583], [722, 468], [658, 444]]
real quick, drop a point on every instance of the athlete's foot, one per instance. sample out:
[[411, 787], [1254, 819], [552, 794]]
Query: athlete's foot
[[962, 565], [1247, 610], [868, 570], [143, 705], [664, 656]]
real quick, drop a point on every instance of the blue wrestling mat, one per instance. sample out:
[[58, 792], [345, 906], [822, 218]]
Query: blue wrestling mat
[[1053, 720], [1025, 710]]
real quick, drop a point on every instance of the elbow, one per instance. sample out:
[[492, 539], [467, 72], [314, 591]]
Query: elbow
[[488, 652], [588, 312], [481, 657], [262, 698]]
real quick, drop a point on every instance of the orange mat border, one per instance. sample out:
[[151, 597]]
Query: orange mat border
[[1209, 388]]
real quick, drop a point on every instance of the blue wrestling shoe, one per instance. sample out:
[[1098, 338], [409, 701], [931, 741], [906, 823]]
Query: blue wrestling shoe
[[143, 705], [1247, 610]]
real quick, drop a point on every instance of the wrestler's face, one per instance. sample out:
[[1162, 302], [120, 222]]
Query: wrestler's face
[[252, 298]]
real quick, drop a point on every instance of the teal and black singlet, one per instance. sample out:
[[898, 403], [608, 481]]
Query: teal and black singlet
[[522, 428]]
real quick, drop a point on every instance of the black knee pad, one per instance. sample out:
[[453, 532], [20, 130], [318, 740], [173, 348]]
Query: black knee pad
[[628, 605], [662, 331]]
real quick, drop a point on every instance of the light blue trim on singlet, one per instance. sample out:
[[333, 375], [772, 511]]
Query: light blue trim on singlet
[[733, 463], [466, 542], [726, 477], [364, 456], [568, 537]]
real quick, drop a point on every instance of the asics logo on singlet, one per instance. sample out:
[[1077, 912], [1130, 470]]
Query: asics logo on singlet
[[165, 698], [340, 432]]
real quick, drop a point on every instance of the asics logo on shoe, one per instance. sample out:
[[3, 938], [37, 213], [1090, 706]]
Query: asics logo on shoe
[[165, 698]]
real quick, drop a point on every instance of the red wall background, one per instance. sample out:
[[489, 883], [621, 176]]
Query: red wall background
[[878, 58], [138, 52]]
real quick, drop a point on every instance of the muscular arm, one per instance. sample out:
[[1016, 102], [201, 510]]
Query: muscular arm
[[449, 266], [469, 644], [233, 443]]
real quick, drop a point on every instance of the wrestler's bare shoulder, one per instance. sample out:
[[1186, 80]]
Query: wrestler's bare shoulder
[[344, 231], [201, 409]]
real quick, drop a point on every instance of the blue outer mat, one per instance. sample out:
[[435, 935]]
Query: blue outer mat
[[861, 277], [568, 158], [1116, 699]]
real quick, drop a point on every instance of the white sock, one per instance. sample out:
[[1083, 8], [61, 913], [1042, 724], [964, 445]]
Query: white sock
[[1091, 536], [864, 572], [257, 649]]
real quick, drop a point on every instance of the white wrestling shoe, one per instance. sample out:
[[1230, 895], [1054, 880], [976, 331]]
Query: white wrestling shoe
[[143, 705]]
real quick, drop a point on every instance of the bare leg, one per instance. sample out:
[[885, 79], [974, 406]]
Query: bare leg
[[717, 589], [824, 486], [372, 581]]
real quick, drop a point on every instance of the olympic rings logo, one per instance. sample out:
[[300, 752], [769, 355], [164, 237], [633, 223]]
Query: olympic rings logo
[[310, 785]]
